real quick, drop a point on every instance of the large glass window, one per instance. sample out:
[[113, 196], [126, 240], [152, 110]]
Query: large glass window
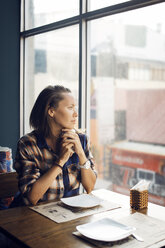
[[127, 81], [113, 60], [50, 58]]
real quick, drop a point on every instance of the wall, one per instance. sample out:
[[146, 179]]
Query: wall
[[9, 72]]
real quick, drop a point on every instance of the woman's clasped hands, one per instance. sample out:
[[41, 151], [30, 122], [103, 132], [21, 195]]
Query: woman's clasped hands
[[71, 142]]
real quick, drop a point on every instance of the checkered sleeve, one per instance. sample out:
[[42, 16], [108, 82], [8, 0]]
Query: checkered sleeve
[[26, 165]]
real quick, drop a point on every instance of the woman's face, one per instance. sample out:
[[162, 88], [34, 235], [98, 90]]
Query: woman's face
[[65, 115]]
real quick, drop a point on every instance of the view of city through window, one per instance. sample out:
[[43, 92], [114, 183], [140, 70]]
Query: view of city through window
[[127, 54], [52, 59], [127, 87]]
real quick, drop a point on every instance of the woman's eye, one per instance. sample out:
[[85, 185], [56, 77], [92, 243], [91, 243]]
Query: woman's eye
[[73, 108]]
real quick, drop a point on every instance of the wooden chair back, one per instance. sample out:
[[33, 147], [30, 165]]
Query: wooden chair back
[[8, 184]]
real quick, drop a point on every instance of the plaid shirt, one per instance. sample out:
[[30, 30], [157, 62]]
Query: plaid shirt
[[34, 158]]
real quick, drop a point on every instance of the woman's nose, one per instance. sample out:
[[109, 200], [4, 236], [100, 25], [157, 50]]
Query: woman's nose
[[75, 112]]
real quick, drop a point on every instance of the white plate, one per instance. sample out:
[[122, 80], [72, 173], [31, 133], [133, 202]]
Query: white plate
[[82, 201], [105, 230]]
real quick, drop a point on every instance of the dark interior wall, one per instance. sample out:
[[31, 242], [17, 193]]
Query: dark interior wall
[[9, 73]]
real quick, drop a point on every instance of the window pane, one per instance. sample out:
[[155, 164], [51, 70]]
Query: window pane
[[128, 99], [41, 12], [51, 58], [97, 4]]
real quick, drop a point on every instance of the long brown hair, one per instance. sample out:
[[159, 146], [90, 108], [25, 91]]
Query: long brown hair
[[49, 97]]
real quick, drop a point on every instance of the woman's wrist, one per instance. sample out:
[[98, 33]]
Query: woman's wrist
[[81, 154], [82, 158], [58, 165]]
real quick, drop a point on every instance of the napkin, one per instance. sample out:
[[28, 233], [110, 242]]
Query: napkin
[[141, 185]]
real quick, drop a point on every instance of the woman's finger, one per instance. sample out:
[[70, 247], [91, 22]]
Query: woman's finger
[[69, 133], [67, 144]]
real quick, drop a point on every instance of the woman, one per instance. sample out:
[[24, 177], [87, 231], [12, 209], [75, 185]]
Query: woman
[[53, 159]]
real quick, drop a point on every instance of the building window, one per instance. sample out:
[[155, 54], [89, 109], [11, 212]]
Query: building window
[[40, 61]]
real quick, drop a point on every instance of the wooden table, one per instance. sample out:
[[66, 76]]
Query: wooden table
[[30, 229]]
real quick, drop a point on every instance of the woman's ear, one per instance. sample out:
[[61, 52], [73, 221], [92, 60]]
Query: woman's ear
[[51, 112]]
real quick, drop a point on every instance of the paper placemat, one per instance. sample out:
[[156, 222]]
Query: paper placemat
[[59, 212], [150, 229]]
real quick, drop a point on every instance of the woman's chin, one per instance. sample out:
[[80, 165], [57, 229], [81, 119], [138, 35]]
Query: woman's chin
[[69, 126]]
